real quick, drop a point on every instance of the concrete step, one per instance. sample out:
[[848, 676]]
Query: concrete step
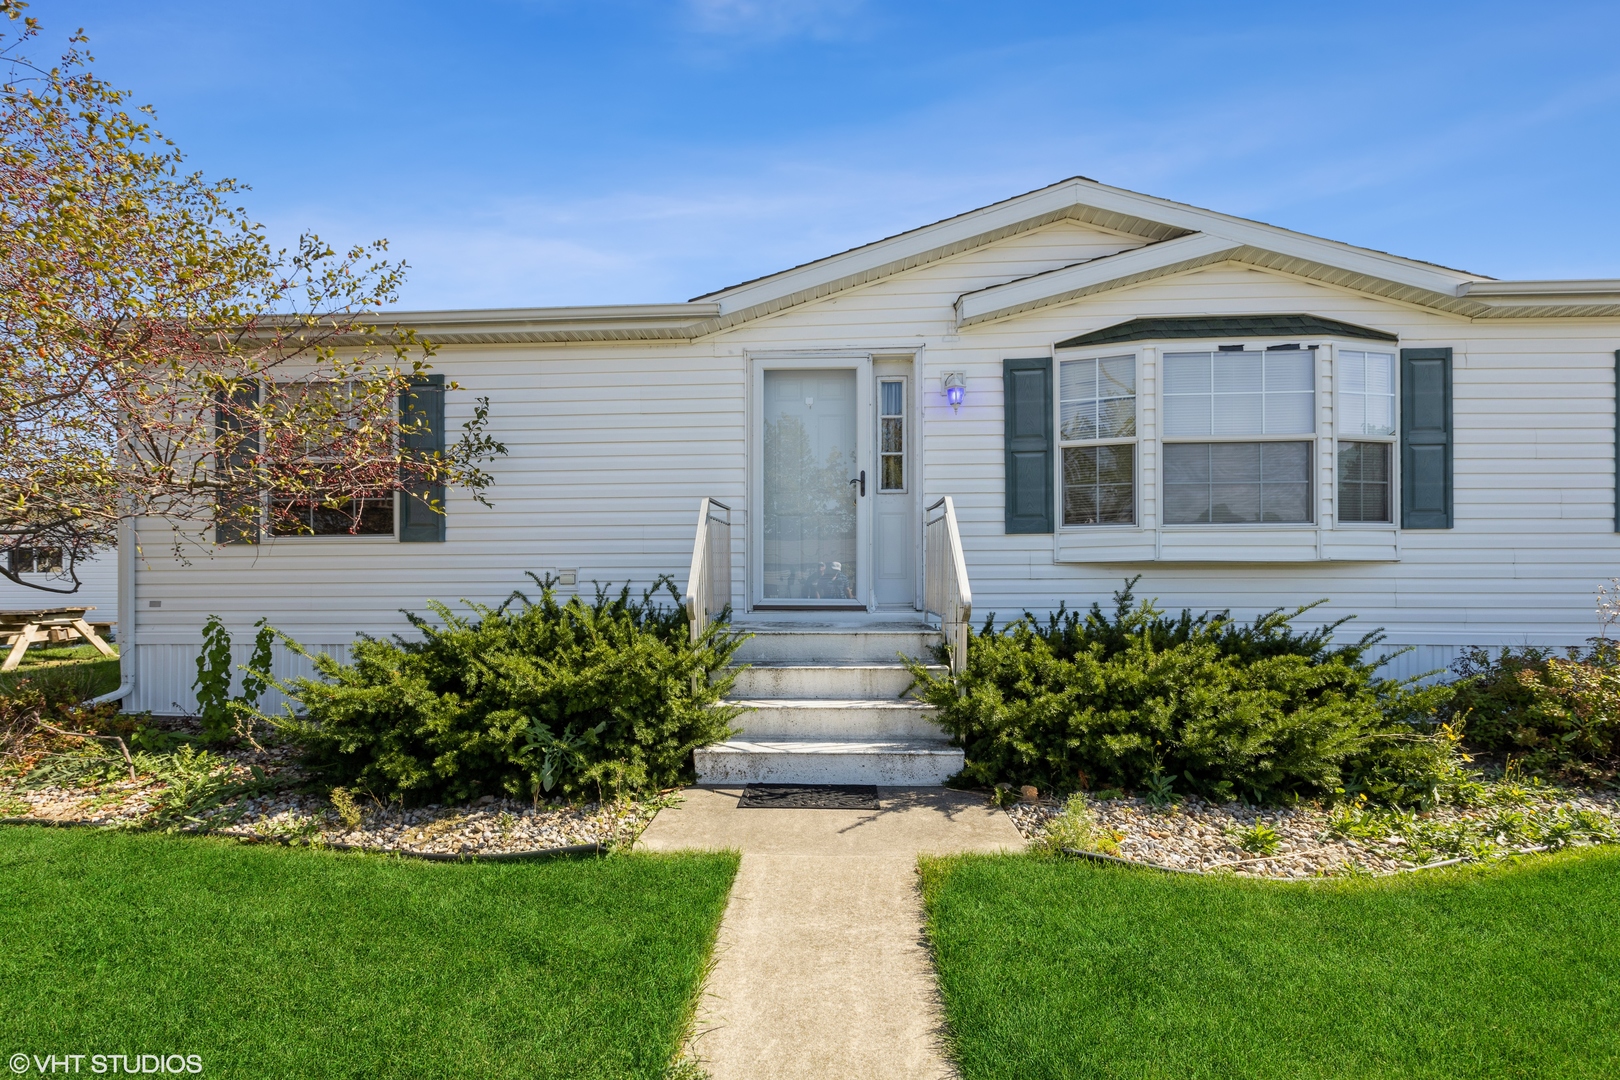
[[876, 643], [899, 763], [781, 679], [823, 718]]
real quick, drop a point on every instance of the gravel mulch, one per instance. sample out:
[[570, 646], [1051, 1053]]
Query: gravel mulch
[[488, 826], [1314, 841]]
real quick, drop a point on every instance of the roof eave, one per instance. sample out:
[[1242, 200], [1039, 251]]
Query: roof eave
[[615, 322]]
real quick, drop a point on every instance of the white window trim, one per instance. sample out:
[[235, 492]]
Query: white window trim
[[1151, 540], [1313, 436], [1135, 443], [1393, 441]]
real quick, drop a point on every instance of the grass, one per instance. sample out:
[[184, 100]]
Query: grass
[[1057, 968], [269, 961], [79, 668]]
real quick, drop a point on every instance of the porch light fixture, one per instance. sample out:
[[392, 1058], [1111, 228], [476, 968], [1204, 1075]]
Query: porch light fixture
[[955, 389]]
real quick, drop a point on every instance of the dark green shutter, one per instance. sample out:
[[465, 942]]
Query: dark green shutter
[[1426, 440], [1027, 392], [234, 528], [421, 517]]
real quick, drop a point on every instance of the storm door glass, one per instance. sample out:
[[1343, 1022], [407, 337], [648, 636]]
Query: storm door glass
[[809, 526]]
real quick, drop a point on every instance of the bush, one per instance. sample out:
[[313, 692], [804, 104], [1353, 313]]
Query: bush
[[1201, 704], [1561, 713], [528, 698]]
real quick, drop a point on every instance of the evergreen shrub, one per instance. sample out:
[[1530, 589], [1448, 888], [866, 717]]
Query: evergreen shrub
[[1556, 713], [530, 698], [1191, 704]]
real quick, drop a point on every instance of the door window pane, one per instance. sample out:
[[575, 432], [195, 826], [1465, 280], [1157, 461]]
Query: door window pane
[[1364, 482], [1237, 483], [809, 504], [891, 435]]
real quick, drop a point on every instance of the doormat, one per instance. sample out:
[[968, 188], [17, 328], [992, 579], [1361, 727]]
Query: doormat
[[810, 797]]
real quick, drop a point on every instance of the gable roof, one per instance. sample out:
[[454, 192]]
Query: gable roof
[[1175, 237], [1219, 326]]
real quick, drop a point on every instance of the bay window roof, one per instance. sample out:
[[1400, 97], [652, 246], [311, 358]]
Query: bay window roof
[[1205, 327]]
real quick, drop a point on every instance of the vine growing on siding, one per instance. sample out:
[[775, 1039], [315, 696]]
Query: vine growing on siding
[[219, 712]]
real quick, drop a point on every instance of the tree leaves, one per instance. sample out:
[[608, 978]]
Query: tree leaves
[[159, 358]]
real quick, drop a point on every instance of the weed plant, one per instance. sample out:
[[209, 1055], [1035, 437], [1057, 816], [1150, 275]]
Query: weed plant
[[191, 786], [1556, 710], [217, 710], [1258, 839], [1076, 829]]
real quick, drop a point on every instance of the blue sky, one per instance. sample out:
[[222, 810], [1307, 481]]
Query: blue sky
[[536, 152]]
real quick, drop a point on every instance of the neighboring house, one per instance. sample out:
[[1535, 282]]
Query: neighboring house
[[98, 584], [1247, 417]]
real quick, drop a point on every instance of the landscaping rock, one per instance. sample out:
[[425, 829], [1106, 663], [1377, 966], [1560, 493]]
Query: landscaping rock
[[489, 826], [1317, 841]]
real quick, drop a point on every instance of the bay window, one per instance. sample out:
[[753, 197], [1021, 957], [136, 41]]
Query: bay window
[[1198, 451]]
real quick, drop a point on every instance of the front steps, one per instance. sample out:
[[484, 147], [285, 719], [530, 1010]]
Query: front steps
[[824, 707]]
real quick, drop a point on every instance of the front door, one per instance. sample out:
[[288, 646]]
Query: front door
[[813, 484]]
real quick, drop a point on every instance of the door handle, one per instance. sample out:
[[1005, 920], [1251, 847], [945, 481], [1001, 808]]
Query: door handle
[[861, 480]]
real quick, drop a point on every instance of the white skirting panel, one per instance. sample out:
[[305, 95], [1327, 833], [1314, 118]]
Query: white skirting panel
[[1432, 663], [165, 675]]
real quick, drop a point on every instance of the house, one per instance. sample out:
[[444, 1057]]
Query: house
[[98, 583], [1104, 383]]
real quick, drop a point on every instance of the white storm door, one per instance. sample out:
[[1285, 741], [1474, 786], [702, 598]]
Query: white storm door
[[813, 483]]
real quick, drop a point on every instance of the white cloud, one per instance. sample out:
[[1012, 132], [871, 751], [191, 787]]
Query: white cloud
[[772, 20]]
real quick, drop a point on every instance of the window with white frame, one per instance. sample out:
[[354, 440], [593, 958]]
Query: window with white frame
[[324, 407], [1232, 425], [892, 435], [1097, 433], [1366, 429]]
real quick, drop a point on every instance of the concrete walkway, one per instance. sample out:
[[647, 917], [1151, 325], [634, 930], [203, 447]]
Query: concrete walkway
[[822, 970]]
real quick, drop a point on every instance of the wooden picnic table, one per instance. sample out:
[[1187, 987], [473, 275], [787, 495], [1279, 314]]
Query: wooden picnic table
[[20, 629]]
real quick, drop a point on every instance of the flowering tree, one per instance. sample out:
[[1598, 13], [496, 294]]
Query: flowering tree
[[159, 358]]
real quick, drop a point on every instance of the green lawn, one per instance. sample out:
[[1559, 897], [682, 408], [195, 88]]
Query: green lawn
[[1067, 969], [78, 667], [270, 962]]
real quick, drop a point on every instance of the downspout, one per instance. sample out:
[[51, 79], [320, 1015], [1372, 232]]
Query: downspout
[[126, 615]]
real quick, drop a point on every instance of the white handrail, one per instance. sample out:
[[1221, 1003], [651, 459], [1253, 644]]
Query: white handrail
[[946, 592], [708, 584]]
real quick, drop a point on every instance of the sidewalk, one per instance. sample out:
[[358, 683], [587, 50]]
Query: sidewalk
[[822, 971]]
